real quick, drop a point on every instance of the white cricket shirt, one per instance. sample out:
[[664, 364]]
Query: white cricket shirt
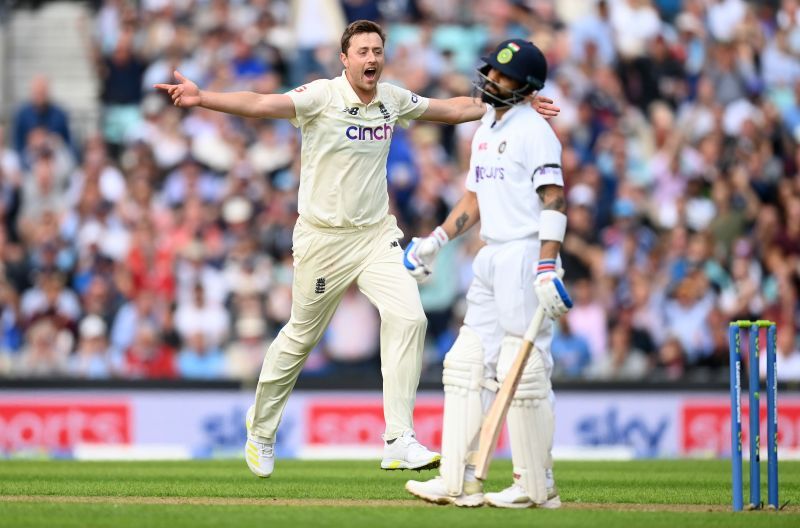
[[344, 149], [511, 158]]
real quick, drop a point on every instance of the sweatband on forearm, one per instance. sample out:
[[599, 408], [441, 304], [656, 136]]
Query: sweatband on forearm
[[552, 225], [441, 236]]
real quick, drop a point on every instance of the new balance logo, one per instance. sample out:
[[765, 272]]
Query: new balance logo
[[394, 244], [320, 287]]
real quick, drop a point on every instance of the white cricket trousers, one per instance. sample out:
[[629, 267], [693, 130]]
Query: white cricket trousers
[[501, 299], [326, 262]]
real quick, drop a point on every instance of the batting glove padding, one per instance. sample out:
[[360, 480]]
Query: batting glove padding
[[420, 254], [550, 290]]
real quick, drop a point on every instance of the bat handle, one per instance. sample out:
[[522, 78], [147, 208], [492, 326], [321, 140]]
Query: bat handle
[[538, 317]]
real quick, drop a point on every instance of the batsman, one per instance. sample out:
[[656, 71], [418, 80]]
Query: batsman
[[515, 187]]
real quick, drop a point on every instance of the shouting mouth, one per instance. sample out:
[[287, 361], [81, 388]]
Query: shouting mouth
[[370, 74]]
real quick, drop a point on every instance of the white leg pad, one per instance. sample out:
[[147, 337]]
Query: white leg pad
[[530, 420], [463, 413]]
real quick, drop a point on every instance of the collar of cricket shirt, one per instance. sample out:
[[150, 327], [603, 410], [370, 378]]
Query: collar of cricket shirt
[[350, 94], [491, 115]]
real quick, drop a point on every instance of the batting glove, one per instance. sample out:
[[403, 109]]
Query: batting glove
[[550, 290], [420, 254]]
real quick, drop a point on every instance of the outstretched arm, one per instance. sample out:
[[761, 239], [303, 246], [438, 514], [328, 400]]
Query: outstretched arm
[[186, 94], [454, 110], [463, 109]]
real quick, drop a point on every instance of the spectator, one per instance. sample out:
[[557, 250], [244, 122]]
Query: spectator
[[147, 357], [199, 359], [201, 316], [588, 319], [680, 132], [121, 72], [623, 362], [45, 351], [92, 359], [570, 352], [40, 112], [245, 354]]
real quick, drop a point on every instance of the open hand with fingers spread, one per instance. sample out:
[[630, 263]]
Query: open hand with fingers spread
[[185, 94]]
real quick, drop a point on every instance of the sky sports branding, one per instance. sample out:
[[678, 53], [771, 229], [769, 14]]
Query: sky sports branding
[[488, 173], [362, 133]]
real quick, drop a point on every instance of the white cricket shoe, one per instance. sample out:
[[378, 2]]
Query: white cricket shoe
[[260, 456], [406, 453], [515, 496], [434, 491]]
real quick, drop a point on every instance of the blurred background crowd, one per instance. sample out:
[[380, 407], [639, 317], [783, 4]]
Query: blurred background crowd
[[159, 246]]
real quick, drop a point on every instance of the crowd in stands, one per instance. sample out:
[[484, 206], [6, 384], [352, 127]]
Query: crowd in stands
[[160, 247]]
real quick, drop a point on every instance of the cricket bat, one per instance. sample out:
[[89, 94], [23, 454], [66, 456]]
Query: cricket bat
[[493, 422]]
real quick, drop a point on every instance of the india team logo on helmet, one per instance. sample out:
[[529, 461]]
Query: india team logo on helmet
[[505, 55]]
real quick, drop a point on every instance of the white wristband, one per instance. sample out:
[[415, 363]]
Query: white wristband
[[552, 225], [441, 236]]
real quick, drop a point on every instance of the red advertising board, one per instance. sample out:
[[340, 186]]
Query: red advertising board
[[347, 422], [60, 425], [706, 426]]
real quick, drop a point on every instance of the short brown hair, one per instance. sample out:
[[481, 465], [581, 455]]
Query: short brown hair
[[361, 26]]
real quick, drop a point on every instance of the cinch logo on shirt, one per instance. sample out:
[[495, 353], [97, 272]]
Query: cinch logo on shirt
[[488, 173], [359, 133]]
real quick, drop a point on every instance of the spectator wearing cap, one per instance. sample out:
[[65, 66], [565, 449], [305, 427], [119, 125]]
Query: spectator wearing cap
[[92, 359], [237, 212]]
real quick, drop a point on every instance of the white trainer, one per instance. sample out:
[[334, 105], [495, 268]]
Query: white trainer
[[260, 456], [406, 453], [515, 496], [434, 491]]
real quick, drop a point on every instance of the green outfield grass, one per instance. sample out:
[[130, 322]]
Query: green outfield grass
[[353, 494]]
